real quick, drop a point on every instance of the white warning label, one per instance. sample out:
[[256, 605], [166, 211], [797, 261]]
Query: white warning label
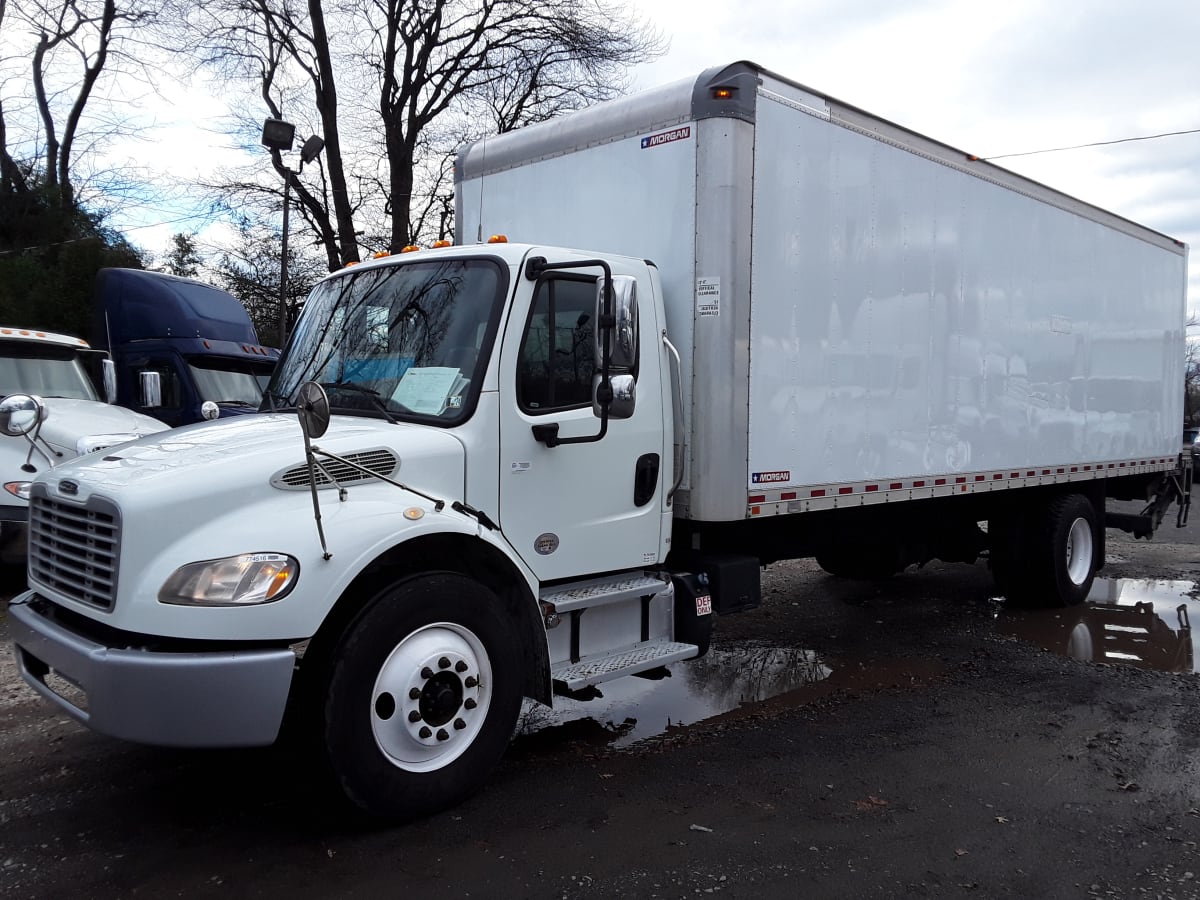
[[708, 296]]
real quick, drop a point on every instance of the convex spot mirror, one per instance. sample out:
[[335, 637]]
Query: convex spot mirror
[[21, 414], [624, 396], [624, 341]]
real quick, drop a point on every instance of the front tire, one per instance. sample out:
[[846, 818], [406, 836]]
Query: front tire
[[422, 697]]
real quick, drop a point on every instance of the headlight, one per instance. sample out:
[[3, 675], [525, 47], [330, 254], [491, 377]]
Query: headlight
[[19, 488], [234, 581]]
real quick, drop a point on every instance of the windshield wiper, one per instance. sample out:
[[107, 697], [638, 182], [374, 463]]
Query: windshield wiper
[[370, 393]]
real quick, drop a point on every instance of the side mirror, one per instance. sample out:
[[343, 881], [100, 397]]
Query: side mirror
[[151, 390], [21, 413], [624, 342], [624, 396], [109, 370]]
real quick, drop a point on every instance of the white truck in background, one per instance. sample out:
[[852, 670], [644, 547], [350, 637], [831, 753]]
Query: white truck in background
[[46, 370], [501, 470]]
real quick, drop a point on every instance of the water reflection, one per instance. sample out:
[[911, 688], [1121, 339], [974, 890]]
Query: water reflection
[[729, 683], [724, 680], [1145, 624]]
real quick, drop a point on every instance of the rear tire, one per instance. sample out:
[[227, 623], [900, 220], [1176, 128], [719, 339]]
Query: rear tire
[[422, 697], [1061, 555]]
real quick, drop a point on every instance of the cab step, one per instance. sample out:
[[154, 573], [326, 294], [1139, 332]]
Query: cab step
[[603, 591], [595, 669]]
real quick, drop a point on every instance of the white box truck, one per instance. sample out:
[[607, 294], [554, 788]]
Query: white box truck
[[503, 470]]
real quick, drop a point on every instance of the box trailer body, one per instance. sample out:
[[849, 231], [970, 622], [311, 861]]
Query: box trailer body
[[752, 324], [195, 342], [863, 313]]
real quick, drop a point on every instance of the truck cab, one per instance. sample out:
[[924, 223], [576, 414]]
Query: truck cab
[[184, 351], [65, 417]]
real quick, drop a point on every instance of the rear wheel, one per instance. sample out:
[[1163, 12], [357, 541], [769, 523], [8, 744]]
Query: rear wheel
[[1061, 556], [422, 697]]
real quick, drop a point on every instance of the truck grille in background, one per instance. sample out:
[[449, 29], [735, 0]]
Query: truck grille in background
[[381, 461], [74, 549]]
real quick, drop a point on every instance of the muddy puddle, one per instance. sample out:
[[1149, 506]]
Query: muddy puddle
[[1140, 623], [728, 683]]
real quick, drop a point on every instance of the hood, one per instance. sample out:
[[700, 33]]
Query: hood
[[230, 461], [103, 425]]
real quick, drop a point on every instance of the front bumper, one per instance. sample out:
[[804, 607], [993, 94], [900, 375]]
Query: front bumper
[[227, 698]]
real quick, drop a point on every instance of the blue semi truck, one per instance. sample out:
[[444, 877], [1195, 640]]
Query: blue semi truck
[[184, 351]]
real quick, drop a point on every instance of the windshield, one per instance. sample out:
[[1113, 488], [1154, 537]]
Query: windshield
[[402, 341], [43, 370], [223, 386]]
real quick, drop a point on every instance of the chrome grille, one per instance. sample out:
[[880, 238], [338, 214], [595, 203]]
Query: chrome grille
[[381, 462], [74, 549]]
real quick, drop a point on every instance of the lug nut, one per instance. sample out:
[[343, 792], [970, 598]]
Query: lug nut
[[471, 681], [424, 733], [470, 703], [460, 667], [414, 716], [459, 724], [426, 673], [442, 735], [443, 663], [414, 694]]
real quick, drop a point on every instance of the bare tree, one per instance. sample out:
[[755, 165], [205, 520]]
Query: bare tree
[[438, 71]]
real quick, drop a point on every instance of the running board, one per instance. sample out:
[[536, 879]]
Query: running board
[[604, 667]]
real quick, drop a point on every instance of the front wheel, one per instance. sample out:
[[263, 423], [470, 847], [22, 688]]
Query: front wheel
[[422, 698]]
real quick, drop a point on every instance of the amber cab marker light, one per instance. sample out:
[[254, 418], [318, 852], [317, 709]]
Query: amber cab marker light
[[380, 255], [498, 239], [411, 248], [440, 244]]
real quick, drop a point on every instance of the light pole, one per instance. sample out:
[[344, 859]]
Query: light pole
[[279, 135]]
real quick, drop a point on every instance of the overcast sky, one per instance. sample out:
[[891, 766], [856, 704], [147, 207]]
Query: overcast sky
[[999, 78]]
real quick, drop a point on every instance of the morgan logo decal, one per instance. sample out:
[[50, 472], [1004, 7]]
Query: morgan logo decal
[[704, 605], [545, 544], [666, 137], [770, 477]]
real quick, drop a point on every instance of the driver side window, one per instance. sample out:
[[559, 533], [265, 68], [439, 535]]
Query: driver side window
[[556, 362]]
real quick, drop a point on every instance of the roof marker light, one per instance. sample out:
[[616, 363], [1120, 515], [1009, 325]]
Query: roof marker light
[[410, 248], [498, 239], [722, 93], [380, 255], [439, 244]]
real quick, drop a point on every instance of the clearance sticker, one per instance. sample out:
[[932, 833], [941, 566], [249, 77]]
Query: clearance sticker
[[666, 137], [770, 477]]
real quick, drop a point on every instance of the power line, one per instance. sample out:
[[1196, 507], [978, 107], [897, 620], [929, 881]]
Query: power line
[[1147, 137]]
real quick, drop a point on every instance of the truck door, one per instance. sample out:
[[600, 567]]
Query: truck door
[[576, 509]]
